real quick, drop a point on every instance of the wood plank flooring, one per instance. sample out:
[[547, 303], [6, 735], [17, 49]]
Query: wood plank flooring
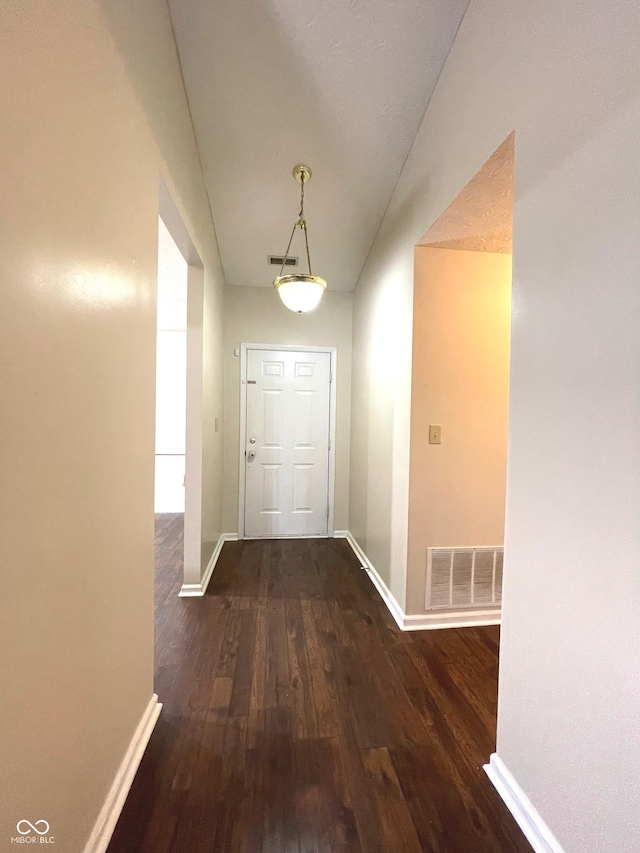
[[298, 718]]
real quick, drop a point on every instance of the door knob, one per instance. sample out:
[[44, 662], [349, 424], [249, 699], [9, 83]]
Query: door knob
[[252, 440], [251, 455]]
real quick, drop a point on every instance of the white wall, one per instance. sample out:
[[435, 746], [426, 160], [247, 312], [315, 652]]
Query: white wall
[[83, 147], [565, 76], [256, 315], [380, 415], [461, 332]]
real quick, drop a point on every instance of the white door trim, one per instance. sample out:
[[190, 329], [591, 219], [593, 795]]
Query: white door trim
[[333, 352]]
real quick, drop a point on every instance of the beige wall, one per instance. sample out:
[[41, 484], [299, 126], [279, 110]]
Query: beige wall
[[461, 331], [143, 38], [565, 76], [255, 315], [83, 148]]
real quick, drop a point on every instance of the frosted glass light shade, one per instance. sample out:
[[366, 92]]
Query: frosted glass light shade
[[301, 293]]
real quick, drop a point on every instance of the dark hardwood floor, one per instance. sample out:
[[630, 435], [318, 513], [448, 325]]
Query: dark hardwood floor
[[298, 718]]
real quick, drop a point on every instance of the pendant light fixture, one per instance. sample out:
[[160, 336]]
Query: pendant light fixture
[[298, 291]]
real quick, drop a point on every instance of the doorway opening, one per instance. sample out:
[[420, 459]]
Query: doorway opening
[[171, 376], [179, 390], [287, 441], [460, 395]]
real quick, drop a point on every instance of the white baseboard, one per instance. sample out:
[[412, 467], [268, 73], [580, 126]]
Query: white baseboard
[[195, 590], [385, 593], [424, 621], [451, 619], [535, 829], [110, 811]]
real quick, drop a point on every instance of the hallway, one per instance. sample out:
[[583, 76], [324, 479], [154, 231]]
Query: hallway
[[298, 718]]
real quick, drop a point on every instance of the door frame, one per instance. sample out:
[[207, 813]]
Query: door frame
[[242, 447]]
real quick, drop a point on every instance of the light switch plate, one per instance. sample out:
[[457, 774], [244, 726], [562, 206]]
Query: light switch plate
[[435, 434]]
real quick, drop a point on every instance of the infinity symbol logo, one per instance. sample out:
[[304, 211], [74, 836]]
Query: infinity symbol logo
[[33, 828]]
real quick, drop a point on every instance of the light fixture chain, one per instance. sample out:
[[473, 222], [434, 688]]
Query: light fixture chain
[[303, 222], [306, 242], [286, 254]]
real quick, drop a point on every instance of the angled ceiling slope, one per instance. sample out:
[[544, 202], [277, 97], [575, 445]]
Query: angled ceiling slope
[[341, 86], [480, 218]]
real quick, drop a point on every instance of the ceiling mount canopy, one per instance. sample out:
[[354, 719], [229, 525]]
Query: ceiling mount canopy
[[298, 291]]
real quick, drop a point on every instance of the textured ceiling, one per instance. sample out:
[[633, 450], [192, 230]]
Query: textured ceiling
[[341, 86], [480, 219]]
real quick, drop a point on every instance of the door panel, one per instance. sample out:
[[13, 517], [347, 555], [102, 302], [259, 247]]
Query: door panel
[[270, 488], [303, 420], [286, 449], [302, 487], [273, 418]]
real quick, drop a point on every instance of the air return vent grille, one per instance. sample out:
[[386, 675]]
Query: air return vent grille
[[459, 578], [276, 260]]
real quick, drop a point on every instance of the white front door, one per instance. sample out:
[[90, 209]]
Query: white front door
[[286, 446]]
